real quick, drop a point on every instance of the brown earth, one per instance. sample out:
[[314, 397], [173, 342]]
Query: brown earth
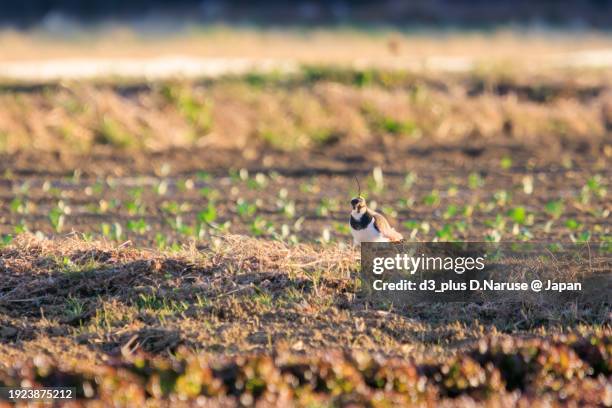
[[94, 312], [308, 192]]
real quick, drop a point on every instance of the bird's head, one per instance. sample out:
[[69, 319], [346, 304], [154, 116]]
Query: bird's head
[[358, 206]]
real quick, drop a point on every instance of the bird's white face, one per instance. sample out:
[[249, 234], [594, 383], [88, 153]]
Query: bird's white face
[[358, 206]]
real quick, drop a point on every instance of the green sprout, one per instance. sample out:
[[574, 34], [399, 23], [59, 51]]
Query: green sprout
[[113, 232], [342, 228], [572, 224], [446, 233], [209, 214], [432, 199], [518, 215], [498, 224], [161, 241], [475, 181], [20, 227], [260, 226], [18, 206], [584, 236], [450, 212], [245, 209], [138, 226], [286, 206], [57, 218], [259, 182], [555, 208], [203, 176], [505, 163]]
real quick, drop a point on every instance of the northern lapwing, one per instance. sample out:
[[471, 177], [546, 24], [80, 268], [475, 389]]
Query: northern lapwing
[[370, 226]]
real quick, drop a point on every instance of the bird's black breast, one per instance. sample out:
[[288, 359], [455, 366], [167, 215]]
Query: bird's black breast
[[363, 223]]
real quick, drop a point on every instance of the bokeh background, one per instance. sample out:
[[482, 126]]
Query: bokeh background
[[575, 13]]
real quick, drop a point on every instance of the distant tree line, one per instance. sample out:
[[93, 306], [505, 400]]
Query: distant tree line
[[596, 13]]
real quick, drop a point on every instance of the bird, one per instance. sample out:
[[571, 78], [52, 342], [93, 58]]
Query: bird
[[370, 226]]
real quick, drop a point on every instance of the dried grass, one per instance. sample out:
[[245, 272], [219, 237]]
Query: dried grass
[[44, 272], [78, 118]]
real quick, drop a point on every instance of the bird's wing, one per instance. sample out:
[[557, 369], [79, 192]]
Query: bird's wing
[[382, 225]]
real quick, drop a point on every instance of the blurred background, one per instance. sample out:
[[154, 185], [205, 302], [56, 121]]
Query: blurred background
[[446, 35], [168, 13]]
